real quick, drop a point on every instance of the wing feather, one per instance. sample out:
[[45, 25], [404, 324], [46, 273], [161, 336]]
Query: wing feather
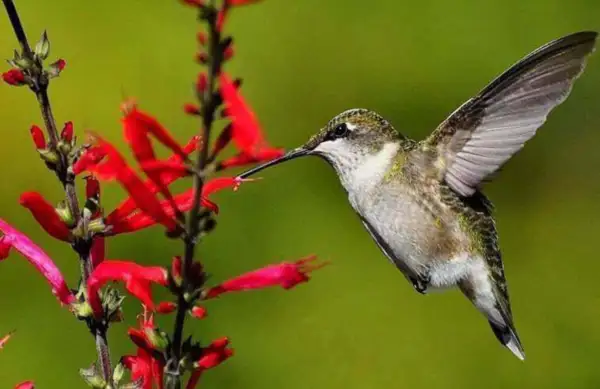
[[485, 132]]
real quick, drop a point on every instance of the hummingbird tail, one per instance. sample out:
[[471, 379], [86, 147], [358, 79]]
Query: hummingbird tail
[[509, 338]]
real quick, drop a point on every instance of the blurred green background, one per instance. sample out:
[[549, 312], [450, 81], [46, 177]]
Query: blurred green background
[[358, 323]]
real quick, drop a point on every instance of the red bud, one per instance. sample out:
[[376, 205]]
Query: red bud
[[67, 132], [14, 77], [38, 137]]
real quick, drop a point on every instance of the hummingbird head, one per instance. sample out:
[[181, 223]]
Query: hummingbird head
[[348, 142]]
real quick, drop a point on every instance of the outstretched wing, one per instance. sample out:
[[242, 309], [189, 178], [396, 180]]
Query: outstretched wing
[[481, 135]]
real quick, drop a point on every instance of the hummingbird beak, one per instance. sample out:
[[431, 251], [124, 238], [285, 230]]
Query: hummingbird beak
[[292, 154]]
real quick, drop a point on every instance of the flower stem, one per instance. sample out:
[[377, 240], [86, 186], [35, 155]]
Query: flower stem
[[209, 103], [40, 88]]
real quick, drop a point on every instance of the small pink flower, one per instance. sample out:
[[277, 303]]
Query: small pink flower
[[38, 258], [286, 274]]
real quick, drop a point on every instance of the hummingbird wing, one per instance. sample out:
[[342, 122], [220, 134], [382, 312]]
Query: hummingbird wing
[[483, 133]]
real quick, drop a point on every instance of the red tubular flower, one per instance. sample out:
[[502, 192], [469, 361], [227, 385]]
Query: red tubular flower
[[143, 366], [286, 274], [127, 207], [183, 201], [90, 158], [212, 356], [45, 215], [159, 168], [246, 132], [25, 385], [67, 132], [137, 279], [115, 167], [38, 137], [14, 77], [140, 121], [39, 259]]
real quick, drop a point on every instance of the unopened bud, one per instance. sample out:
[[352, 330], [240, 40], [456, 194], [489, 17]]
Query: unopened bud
[[38, 137], [67, 132]]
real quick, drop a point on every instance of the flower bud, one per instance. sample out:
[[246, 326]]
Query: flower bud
[[38, 137]]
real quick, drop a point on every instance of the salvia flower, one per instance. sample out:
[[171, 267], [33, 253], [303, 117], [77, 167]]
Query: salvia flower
[[245, 129], [137, 280], [286, 274], [38, 258], [144, 366], [213, 355], [14, 77], [45, 215]]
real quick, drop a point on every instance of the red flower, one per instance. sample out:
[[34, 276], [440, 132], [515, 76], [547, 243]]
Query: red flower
[[45, 215], [245, 132], [128, 206], [138, 122], [115, 167], [139, 220], [286, 274], [38, 258], [137, 279], [143, 366], [14, 77], [38, 137], [67, 132], [90, 157], [212, 356], [25, 385]]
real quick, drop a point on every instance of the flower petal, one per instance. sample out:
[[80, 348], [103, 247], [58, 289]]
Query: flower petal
[[183, 201], [39, 259], [286, 274], [25, 385], [90, 158], [137, 279], [140, 121], [263, 155], [128, 206], [140, 193], [45, 215]]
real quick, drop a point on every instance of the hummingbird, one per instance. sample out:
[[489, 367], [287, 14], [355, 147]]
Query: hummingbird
[[422, 201]]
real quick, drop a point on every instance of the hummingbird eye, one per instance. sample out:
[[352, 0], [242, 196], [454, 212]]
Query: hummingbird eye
[[340, 131]]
